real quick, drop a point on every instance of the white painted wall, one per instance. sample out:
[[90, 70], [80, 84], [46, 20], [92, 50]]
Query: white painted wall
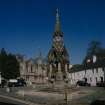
[[90, 74]]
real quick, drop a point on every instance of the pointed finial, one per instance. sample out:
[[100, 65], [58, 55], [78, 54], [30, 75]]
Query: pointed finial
[[57, 25]]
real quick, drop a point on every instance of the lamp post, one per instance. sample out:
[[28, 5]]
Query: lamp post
[[65, 91], [52, 82]]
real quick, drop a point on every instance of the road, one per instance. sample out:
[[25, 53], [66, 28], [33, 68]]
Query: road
[[13, 101], [82, 96]]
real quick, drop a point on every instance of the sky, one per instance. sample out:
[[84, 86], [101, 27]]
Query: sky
[[27, 26]]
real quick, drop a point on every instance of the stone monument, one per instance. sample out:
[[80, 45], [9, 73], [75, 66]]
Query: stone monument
[[58, 57]]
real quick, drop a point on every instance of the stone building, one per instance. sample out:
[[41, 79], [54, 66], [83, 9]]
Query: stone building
[[92, 76], [33, 70], [93, 71]]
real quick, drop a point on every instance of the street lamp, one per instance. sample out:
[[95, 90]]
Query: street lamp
[[66, 90], [52, 82]]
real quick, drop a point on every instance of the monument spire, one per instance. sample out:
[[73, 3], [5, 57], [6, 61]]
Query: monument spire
[[57, 25]]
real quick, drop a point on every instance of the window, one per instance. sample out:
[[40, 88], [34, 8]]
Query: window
[[103, 69], [101, 79], [90, 79], [31, 69], [93, 71], [96, 79], [85, 79], [85, 72], [96, 70]]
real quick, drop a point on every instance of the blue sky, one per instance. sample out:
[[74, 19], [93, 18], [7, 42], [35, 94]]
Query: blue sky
[[28, 25]]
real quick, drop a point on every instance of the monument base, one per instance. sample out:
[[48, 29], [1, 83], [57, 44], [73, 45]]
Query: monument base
[[58, 84]]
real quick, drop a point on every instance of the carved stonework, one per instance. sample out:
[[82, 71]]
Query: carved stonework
[[58, 56]]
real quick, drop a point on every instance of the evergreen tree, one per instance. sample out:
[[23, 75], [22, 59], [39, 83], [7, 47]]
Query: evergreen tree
[[94, 48], [9, 65], [3, 59]]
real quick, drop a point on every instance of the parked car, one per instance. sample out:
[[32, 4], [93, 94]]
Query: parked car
[[100, 84], [3, 83], [16, 82], [98, 102], [21, 82], [82, 83], [12, 82]]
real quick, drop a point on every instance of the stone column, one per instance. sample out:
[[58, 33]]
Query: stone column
[[50, 72], [59, 75], [66, 70], [59, 67]]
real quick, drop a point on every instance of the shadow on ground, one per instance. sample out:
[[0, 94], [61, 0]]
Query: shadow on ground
[[2, 103]]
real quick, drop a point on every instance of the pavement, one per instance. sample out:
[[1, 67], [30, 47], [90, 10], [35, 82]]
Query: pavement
[[14, 101], [10, 98], [33, 96], [44, 97]]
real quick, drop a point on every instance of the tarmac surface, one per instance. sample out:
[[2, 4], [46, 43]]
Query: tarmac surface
[[39, 96]]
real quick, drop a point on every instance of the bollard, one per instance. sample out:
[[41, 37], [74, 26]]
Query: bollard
[[23, 95], [65, 93], [8, 89]]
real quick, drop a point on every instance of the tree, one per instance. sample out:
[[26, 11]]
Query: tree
[[77, 67], [3, 58], [9, 65], [94, 48]]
